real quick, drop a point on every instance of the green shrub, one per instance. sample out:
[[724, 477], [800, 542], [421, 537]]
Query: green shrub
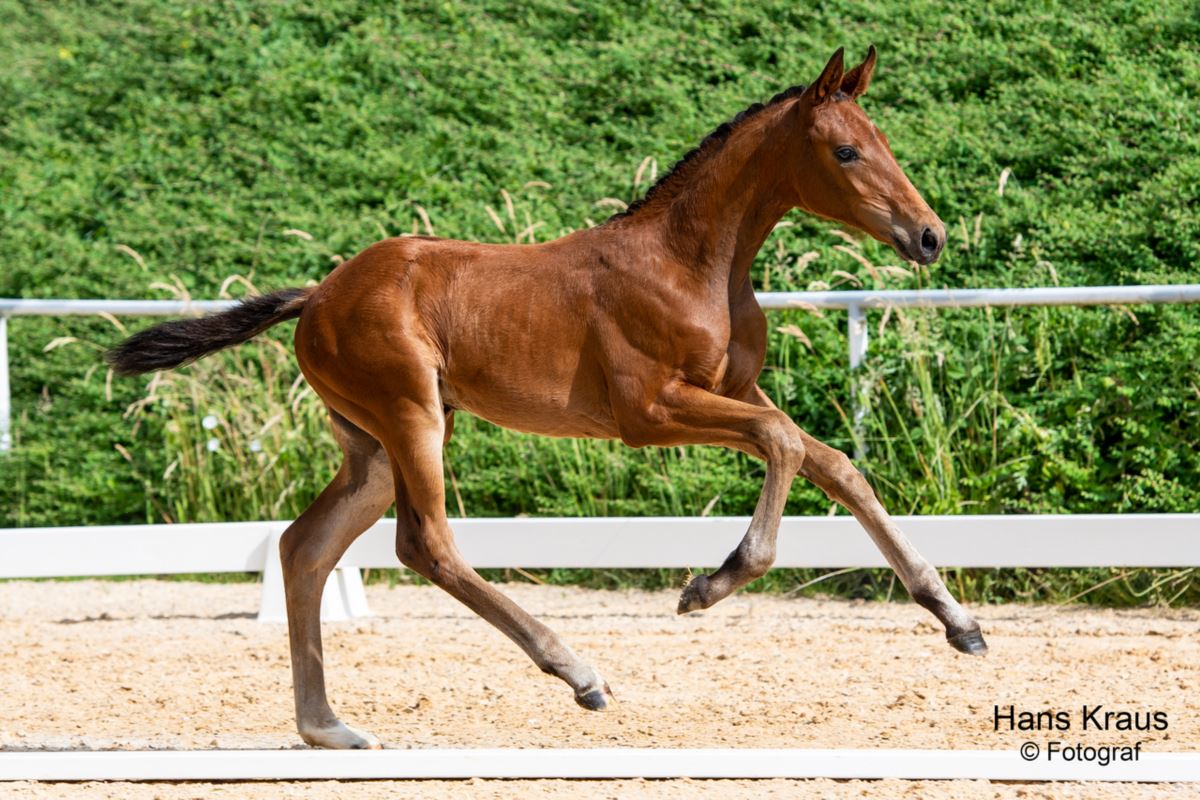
[[141, 140]]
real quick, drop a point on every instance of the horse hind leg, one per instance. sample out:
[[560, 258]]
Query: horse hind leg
[[425, 544], [358, 495]]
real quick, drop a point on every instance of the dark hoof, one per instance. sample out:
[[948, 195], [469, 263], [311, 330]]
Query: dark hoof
[[597, 699], [970, 642], [692, 598]]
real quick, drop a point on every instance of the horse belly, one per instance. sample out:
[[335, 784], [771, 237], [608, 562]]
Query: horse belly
[[529, 411], [531, 388]]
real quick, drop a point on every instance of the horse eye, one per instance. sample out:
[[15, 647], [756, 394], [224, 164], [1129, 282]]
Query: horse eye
[[846, 154]]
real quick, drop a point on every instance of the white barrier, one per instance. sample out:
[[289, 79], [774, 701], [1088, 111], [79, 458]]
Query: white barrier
[[1067, 540], [1159, 540], [596, 763]]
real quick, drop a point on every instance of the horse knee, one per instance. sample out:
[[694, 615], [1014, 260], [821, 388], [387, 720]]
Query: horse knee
[[784, 444], [841, 469]]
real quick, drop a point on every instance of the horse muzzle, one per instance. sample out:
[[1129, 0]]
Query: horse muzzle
[[923, 244]]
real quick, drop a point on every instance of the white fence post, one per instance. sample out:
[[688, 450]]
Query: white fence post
[[858, 335], [5, 390], [859, 339]]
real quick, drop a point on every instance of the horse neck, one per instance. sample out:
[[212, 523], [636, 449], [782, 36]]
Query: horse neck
[[716, 221]]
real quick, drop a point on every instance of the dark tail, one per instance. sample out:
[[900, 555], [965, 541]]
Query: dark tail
[[182, 341]]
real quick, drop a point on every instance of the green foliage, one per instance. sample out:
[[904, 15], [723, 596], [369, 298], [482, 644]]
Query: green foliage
[[173, 145]]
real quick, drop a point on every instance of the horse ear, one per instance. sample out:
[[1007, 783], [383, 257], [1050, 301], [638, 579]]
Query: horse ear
[[829, 81], [855, 82]]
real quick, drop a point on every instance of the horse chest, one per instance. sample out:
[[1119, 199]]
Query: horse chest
[[746, 347], [725, 361], [743, 361]]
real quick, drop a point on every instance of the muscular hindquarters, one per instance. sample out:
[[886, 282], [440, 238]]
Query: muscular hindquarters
[[507, 343]]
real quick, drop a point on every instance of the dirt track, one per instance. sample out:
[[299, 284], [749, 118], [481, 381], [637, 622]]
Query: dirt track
[[146, 664]]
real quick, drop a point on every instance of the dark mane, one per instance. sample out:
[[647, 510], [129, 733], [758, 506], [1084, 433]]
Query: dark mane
[[711, 142]]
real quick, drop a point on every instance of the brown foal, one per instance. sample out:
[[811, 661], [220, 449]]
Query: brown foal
[[644, 329]]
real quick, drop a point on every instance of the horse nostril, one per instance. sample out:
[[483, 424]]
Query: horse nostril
[[929, 241]]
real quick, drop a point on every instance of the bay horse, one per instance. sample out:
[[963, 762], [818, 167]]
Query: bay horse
[[643, 329]]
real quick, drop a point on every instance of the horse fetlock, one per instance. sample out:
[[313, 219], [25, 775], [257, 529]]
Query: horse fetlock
[[339, 736], [962, 631], [929, 598], [566, 667], [753, 561], [929, 592]]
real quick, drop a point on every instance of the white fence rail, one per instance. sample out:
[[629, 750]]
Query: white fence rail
[[596, 763], [1067, 540], [856, 303], [1160, 540]]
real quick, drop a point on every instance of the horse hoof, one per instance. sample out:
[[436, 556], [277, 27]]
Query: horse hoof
[[969, 642], [692, 598], [341, 737], [597, 699]]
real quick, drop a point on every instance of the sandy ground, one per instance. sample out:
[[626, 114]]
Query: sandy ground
[[148, 664]]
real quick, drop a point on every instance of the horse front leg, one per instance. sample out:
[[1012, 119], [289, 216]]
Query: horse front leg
[[754, 554], [832, 471], [687, 414]]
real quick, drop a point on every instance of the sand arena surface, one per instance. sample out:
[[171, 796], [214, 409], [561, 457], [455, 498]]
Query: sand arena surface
[[150, 664]]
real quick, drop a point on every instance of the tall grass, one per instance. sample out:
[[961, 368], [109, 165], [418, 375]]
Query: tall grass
[[246, 437], [943, 439], [354, 120]]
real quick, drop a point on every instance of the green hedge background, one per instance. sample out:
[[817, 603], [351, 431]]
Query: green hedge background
[[151, 143]]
